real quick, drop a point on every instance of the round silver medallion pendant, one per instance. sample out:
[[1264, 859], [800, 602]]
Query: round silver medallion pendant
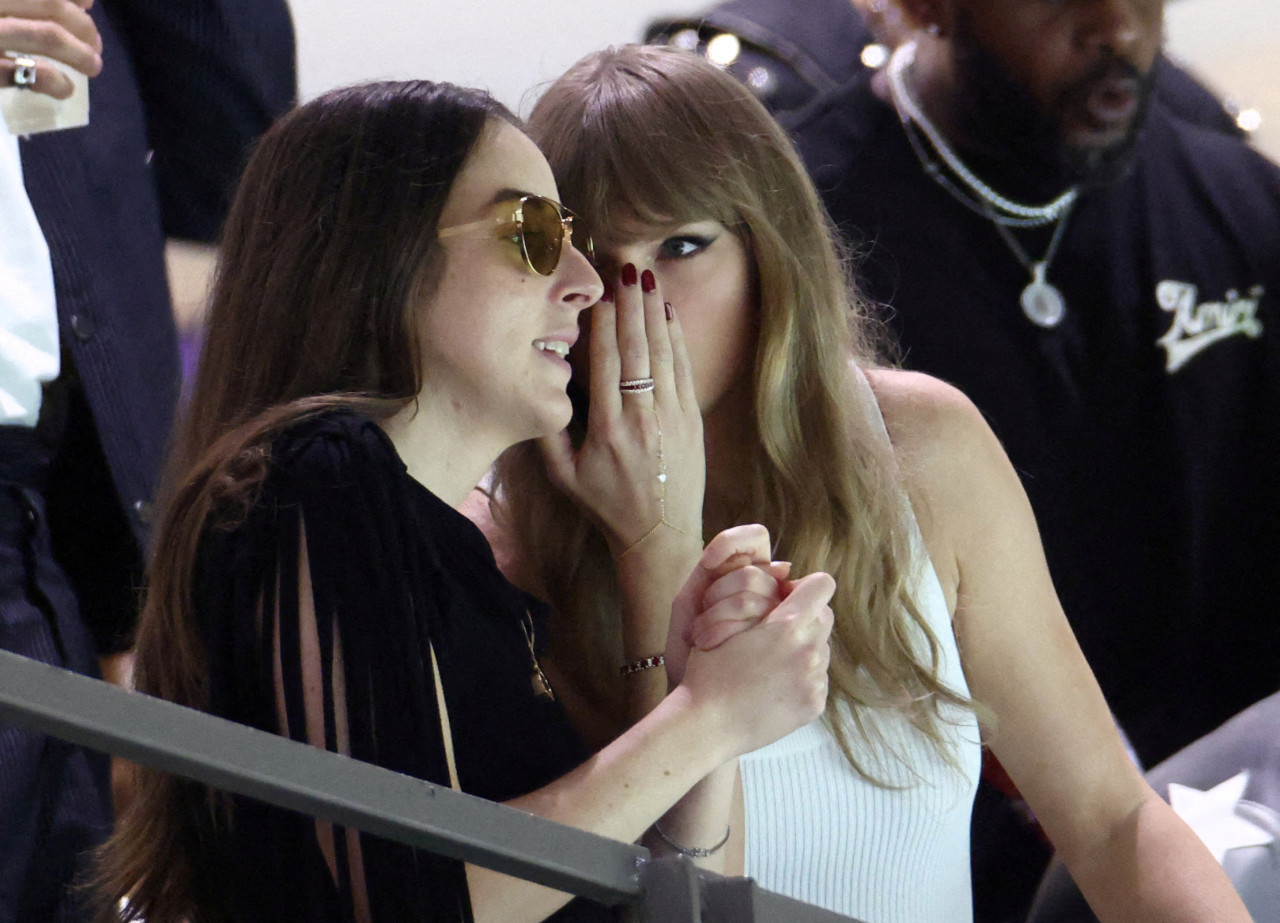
[[1043, 304]]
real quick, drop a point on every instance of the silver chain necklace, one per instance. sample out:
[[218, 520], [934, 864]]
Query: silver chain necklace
[[1042, 303], [1006, 210]]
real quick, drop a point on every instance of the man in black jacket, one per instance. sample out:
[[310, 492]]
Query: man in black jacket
[[1101, 277], [183, 91]]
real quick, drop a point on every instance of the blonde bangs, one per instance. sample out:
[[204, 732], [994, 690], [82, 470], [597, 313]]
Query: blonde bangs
[[626, 147]]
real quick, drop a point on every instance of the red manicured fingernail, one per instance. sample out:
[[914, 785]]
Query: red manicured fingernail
[[629, 274], [647, 282], [671, 314], [607, 294]]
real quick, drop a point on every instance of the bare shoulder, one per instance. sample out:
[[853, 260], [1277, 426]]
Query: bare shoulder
[[933, 426], [956, 474], [907, 397]]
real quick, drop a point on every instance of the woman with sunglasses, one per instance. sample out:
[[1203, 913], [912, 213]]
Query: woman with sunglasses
[[393, 305], [890, 481]]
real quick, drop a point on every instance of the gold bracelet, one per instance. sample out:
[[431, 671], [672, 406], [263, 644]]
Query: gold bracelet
[[644, 663], [641, 540]]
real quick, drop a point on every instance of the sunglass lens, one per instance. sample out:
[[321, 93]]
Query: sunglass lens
[[543, 234]]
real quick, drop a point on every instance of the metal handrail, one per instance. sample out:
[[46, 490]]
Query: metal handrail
[[293, 775]]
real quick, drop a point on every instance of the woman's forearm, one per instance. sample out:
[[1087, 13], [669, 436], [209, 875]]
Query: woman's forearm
[[619, 793], [699, 821], [649, 578], [755, 687], [1152, 867]]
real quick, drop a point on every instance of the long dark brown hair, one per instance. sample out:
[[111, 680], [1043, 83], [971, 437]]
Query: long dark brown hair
[[328, 253]]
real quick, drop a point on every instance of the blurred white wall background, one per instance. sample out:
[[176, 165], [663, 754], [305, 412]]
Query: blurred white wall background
[[1234, 45], [510, 47], [505, 46]]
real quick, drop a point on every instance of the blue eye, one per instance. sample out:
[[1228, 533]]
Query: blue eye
[[684, 246]]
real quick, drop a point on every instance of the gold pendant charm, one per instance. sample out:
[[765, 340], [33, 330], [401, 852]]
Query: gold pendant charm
[[538, 680], [541, 685]]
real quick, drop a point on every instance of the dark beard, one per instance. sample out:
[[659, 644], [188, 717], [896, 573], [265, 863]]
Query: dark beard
[[1008, 137]]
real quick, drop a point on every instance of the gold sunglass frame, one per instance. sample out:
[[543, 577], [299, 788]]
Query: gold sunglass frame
[[516, 218]]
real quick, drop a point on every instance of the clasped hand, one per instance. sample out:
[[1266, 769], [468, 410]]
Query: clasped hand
[[60, 30], [741, 629]]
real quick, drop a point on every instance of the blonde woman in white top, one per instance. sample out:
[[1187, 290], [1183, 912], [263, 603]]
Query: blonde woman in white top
[[943, 598]]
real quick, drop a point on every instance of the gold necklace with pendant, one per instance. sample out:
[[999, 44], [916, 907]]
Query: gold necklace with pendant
[[538, 679]]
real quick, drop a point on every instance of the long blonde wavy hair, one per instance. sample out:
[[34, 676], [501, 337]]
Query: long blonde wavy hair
[[663, 137]]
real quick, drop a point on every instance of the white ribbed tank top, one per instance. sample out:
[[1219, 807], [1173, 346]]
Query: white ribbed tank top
[[817, 831]]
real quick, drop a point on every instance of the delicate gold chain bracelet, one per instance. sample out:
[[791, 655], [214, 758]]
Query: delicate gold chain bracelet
[[662, 497], [694, 852]]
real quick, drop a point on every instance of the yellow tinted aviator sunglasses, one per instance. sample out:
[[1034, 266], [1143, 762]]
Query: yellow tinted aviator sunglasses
[[539, 225]]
